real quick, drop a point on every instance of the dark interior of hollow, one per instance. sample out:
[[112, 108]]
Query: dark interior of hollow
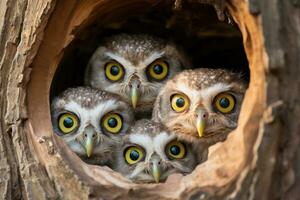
[[209, 42]]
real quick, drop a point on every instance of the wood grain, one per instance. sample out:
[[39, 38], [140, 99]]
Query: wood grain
[[259, 160]]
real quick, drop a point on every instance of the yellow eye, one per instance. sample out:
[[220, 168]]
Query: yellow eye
[[175, 150], [224, 102], [158, 70], [112, 122], [133, 154], [179, 102], [67, 122], [114, 71]]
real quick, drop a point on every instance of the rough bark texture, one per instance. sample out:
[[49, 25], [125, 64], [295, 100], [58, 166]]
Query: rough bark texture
[[280, 21], [260, 160]]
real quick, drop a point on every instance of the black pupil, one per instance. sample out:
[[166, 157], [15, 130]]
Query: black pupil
[[114, 70], [180, 102], [68, 122], [175, 150], [224, 102], [134, 155], [112, 122], [158, 69]]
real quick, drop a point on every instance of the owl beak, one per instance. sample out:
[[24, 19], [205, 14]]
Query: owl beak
[[134, 96], [89, 136], [201, 122], [89, 147], [134, 92], [156, 173], [155, 169]]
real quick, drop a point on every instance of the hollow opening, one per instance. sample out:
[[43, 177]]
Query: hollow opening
[[195, 27], [75, 31]]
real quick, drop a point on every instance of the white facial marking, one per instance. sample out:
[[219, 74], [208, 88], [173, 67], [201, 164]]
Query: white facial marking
[[214, 90], [90, 116], [152, 58], [160, 141], [151, 145], [143, 141], [119, 59], [205, 96]]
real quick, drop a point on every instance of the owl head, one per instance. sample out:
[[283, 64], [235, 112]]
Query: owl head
[[90, 121], [134, 67], [150, 153], [201, 103]]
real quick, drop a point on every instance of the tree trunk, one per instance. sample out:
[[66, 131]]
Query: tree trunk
[[259, 160]]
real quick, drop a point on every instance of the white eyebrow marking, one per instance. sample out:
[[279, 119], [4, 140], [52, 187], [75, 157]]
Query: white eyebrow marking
[[152, 58], [119, 59], [160, 141], [141, 139], [205, 95], [214, 90]]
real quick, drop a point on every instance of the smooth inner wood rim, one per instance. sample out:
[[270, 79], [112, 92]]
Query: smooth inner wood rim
[[227, 162]]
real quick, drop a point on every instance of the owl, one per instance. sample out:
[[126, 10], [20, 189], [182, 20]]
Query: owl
[[90, 122], [201, 104], [134, 67], [150, 153]]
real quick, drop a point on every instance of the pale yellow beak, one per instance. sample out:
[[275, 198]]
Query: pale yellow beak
[[155, 168], [200, 127], [134, 84], [156, 172], [89, 140], [134, 96], [201, 122], [89, 146]]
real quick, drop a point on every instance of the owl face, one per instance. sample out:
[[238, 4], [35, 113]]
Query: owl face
[[201, 103], [90, 121], [150, 153], [134, 67]]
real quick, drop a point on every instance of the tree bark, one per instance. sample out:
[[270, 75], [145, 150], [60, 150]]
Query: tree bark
[[259, 160], [280, 21]]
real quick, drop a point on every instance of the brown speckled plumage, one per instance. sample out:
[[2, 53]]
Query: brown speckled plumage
[[205, 77], [90, 106], [86, 96], [135, 53], [154, 139], [147, 126], [201, 86], [134, 47]]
